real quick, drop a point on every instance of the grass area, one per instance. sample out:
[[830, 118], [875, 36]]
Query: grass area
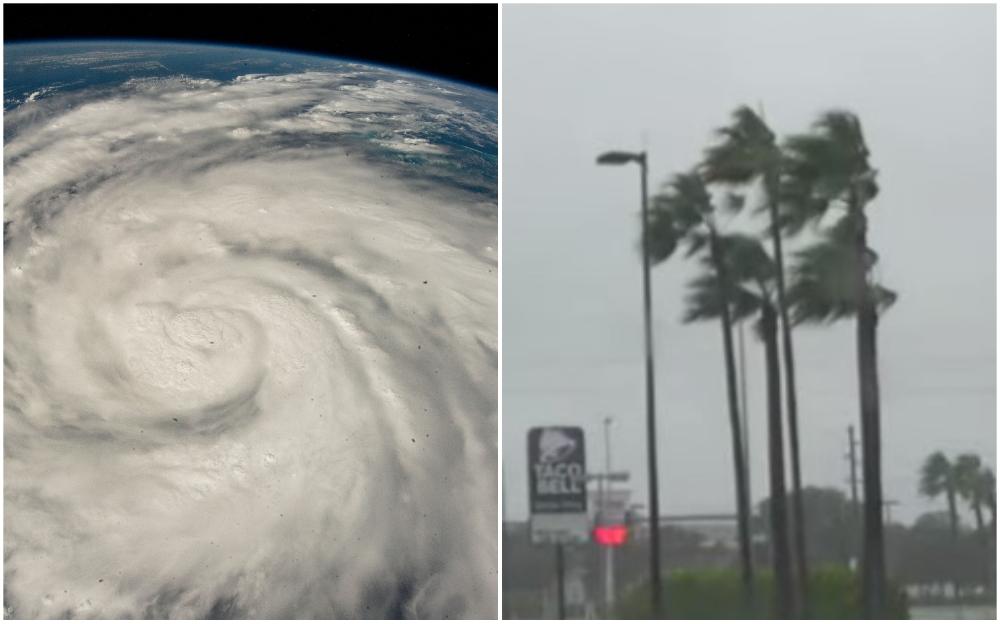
[[834, 594]]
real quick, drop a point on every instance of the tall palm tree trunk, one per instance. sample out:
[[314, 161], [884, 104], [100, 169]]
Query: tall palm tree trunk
[[873, 564], [953, 519], [977, 510], [739, 460], [991, 502], [984, 538], [952, 512], [780, 559], [798, 527], [990, 537]]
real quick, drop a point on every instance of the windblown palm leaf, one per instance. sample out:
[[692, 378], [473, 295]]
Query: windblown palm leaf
[[746, 150], [987, 484], [967, 475], [705, 299], [689, 200], [684, 211], [663, 233], [747, 261], [822, 286], [821, 167], [974, 483], [936, 476], [749, 271]]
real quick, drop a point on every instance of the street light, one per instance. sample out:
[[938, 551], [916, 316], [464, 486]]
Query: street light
[[622, 158]]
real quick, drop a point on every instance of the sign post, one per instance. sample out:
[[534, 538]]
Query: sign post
[[611, 531], [561, 580], [557, 479]]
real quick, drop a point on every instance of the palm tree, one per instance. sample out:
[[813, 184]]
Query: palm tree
[[940, 476], [988, 493], [987, 489], [968, 474], [827, 167], [740, 278], [974, 487], [685, 210], [748, 152]]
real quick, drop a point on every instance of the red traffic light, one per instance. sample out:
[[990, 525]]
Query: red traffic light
[[611, 534]]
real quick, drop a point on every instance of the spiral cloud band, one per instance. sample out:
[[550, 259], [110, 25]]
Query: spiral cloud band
[[250, 349]]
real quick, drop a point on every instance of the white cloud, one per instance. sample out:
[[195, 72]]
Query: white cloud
[[252, 360]]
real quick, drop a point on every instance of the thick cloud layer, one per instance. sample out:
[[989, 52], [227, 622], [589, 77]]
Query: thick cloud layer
[[250, 350]]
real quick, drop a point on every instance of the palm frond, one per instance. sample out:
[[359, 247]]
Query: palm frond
[[746, 260], [746, 149], [707, 293], [663, 233], [797, 205], [967, 475], [822, 286], [828, 164], [677, 213], [696, 243], [935, 475], [704, 299]]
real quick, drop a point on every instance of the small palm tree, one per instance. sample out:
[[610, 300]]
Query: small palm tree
[[684, 210], [968, 474], [975, 487], [988, 493], [824, 168], [748, 152], [744, 283], [939, 476]]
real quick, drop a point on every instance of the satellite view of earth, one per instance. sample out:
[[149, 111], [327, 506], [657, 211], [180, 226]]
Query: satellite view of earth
[[250, 336]]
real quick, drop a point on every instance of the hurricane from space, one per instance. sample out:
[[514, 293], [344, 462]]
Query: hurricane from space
[[250, 349]]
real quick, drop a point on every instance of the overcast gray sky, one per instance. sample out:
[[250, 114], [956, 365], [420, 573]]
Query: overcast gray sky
[[578, 80]]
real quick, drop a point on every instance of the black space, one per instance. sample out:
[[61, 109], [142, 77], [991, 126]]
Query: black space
[[450, 41]]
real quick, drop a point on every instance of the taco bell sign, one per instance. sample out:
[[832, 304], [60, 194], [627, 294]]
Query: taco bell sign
[[557, 470]]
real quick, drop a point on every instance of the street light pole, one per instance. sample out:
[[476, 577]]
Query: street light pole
[[654, 490], [620, 158]]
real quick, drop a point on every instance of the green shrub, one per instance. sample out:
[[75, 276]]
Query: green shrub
[[834, 594]]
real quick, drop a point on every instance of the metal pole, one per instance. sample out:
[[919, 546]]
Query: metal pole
[[654, 498], [560, 579], [609, 562], [609, 580], [607, 445]]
